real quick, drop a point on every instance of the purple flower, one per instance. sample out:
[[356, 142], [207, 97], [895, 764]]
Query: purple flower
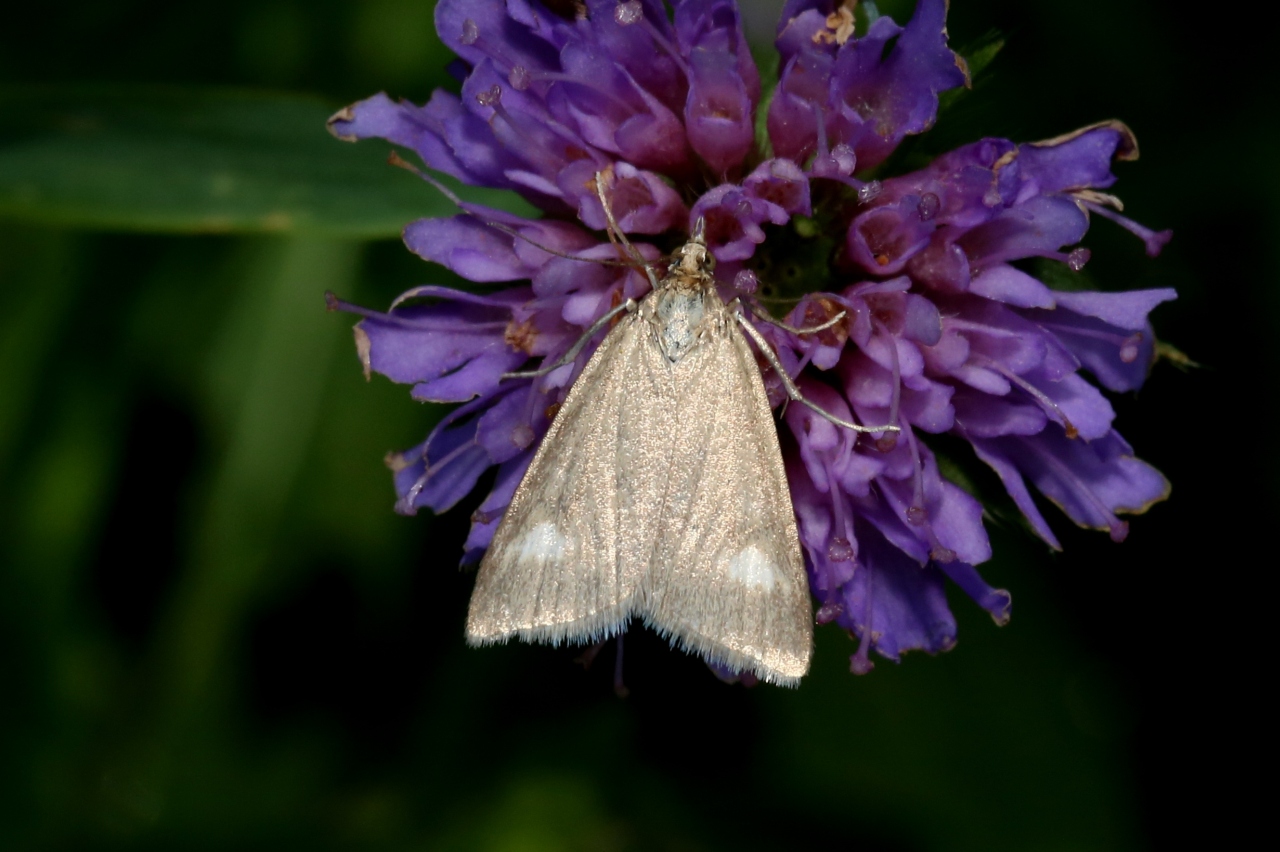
[[945, 329]]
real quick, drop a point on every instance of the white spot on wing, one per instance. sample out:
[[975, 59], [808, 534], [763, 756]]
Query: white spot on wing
[[752, 568], [543, 542]]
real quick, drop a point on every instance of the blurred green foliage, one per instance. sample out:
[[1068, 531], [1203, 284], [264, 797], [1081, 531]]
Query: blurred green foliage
[[215, 633]]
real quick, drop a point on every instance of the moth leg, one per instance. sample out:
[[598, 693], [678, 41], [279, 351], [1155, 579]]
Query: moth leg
[[398, 161], [613, 230], [619, 688], [792, 390], [575, 349], [813, 329]]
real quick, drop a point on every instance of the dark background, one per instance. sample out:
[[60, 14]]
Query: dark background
[[214, 632]]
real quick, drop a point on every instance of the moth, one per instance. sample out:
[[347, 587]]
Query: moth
[[659, 493]]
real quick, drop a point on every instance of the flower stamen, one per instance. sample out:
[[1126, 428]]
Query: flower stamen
[[1052, 408], [1129, 346], [597, 87], [1117, 528], [887, 442], [1154, 241], [666, 45], [860, 663]]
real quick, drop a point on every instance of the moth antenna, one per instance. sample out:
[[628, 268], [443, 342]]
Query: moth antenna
[[792, 390], [507, 229], [400, 162], [628, 305], [813, 329], [699, 234], [614, 229]]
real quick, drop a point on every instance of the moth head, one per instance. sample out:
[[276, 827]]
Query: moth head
[[693, 256]]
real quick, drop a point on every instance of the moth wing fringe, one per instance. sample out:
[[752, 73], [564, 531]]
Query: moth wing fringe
[[594, 628], [718, 655]]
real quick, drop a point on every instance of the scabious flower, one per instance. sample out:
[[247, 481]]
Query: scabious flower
[[945, 329]]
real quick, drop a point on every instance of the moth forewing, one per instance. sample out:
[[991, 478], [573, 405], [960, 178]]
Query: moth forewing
[[551, 573], [727, 579]]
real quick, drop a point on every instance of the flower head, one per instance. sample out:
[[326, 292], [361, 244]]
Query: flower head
[[945, 331]]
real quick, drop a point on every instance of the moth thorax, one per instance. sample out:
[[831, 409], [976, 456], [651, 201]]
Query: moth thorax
[[679, 314]]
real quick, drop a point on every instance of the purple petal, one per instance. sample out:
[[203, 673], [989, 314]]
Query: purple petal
[[423, 129], [792, 121], [480, 373], [1089, 480], [454, 348], [449, 480], [885, 513], [956, 518], [942, 264], [883, 239], [526, 135], [467, 246], [732, 221], [819, 440], [895, 605], [800, 21], [504, 430], [480, 29], [563, 275], [1117, 357], [982, 415], [999, 335], [885, 349], [831, 549], [927, 405], [1126, 310], [715, 26], [1011, 286], [921, 321], [998, 602], [558, 236], [938, 513], [443, 469], [637, 50], [997, 457], [1039, 227], [781, 183], [718, 112], [886, 97], [1078, 160], [485, 520], [654, 139], [641, 202], [1083, 404]]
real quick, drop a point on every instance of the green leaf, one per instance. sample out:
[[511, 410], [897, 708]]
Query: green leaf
[[979, 53], [766, 59], [199, 160]]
